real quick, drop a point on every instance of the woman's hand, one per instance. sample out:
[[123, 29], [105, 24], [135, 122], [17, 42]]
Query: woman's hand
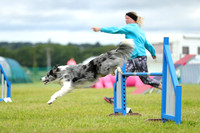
[[154, 57], [96, 29]]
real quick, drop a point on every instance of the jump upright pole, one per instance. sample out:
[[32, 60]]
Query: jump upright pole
[[5, 87], [171, 91]]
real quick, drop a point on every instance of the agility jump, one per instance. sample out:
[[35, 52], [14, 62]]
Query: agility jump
[[171, 91], [5, 87]]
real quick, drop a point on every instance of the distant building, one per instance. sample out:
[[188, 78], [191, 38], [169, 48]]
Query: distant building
[[191, 45], [179, 47]]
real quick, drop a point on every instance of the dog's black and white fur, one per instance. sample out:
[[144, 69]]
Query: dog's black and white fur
[[70, 76]]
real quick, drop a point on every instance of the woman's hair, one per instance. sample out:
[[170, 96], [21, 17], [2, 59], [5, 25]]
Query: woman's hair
[[139, 20]]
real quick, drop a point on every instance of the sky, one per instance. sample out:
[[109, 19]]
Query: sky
[[64, 21]]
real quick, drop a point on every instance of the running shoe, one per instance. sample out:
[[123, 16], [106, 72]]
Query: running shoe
[[109, 100]]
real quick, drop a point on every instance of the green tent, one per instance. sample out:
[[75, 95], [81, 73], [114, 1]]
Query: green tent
[[14, 71]]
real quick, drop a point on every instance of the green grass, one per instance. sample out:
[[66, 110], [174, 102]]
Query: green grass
[[84, 110]]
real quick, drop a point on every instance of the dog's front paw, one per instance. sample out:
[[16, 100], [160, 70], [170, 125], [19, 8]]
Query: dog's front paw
[[50, 102]]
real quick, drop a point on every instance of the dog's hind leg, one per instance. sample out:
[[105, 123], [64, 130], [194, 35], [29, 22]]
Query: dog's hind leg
[[66, 88], [119, 70]]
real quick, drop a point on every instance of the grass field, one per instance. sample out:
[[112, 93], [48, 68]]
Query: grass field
[[84, 110]]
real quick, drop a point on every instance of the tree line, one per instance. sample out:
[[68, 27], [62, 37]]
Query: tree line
[[35, 55]]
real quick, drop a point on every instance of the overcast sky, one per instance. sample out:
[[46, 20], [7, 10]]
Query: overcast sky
[[66, 21]]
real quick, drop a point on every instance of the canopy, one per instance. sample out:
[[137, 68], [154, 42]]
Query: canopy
[[14, 71]]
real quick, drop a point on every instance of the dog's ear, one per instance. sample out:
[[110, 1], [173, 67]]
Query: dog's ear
[[56, 66], [56, 69]]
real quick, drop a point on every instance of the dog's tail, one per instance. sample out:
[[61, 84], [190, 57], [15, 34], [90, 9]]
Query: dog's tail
[[126, 48]]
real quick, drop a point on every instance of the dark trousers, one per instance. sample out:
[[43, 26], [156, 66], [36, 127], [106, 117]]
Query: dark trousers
[[139, 64]]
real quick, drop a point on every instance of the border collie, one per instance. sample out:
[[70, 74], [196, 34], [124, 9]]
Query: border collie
[[74, 76]]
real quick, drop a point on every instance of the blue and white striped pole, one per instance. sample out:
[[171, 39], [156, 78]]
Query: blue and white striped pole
[[142, 74]]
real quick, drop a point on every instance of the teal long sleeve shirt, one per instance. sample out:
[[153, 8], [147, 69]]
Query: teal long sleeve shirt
[[133, 31]]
